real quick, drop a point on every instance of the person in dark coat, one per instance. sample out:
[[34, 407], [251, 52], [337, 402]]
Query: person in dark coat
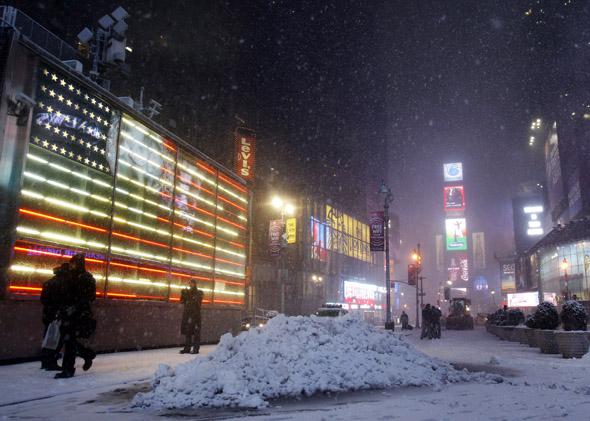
[[78, 291], [192, 298], [50, 300], [435, 315], [405, 320], [425, 321]]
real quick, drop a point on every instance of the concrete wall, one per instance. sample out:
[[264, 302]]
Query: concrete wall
[[122, 325]]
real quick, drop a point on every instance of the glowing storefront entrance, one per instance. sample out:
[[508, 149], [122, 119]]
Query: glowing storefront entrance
[[365, 298]]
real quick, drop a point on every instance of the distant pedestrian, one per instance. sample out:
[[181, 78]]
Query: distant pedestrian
[[425, 321], [435, 328], [78, 291], [50, 300], [192, 298], [405, 321]]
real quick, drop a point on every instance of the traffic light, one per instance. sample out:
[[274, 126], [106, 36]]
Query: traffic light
[[447, 293], [412, 274]]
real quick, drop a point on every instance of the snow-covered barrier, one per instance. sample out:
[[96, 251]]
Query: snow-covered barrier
[[294, 356]]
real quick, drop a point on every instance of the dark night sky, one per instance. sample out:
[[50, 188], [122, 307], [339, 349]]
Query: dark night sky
[[344, 92]]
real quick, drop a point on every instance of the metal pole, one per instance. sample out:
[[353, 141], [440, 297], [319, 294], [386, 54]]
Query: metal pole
[[418, 294], [567, 289], [388, 324], [281, 266], [417, 307], [421, 291]]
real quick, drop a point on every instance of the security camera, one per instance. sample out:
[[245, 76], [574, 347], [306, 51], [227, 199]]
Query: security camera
[[24, 98], [19, 106]]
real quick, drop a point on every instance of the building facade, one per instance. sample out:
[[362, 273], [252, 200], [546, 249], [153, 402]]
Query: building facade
[[327, 260], [83, 172]]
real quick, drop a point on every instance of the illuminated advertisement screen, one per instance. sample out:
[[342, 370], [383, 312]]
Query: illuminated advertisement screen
[[453, 171], [361, 293], [458, 268], [454, 198], [464, 268], [318, 240], [148, 221], [508, 277], [523, 299], [456, 234], [347, 235]]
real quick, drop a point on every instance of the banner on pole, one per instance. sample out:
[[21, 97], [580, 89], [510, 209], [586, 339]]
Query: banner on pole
[[440, 253], [377, 231], [479, 250], [275, 233], [291, 230]]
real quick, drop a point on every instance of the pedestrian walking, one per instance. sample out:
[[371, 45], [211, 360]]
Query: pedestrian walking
[[78, 291], [425, 321], [50, 300], [192, 298]]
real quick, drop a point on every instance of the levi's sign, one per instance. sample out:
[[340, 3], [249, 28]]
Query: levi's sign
[[245, 153]]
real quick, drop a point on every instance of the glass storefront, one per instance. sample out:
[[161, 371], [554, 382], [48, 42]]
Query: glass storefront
[[565, 269], [149, 214]]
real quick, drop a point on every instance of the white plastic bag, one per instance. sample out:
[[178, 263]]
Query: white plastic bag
[[51, 339]]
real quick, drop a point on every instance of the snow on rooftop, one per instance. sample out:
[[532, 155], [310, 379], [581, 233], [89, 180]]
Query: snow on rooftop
[[295, 356]]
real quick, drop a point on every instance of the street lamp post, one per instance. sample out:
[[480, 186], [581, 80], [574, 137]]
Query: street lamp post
[[285, 209], [417, 257], [387, 199]]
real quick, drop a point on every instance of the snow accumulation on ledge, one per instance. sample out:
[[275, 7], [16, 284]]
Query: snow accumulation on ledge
[[298, 356]]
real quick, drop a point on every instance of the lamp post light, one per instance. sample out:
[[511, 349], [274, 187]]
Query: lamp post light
[[417, 258], [387, 199], [565, 266]]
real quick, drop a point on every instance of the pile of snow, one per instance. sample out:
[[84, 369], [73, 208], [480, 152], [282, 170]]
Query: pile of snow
[[294, 356]]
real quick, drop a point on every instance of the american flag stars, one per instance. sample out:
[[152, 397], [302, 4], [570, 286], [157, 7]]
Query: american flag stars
[[74, 123]]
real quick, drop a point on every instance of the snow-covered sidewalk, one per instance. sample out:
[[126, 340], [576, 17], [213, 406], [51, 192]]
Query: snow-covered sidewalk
[[26, 390], [536, 386]]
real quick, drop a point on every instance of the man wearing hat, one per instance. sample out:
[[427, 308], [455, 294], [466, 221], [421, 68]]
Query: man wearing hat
[[78, 290]]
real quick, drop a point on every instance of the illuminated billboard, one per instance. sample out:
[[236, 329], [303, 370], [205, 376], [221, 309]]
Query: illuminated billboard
[[458, 268], [456, 234], [529, 299], [454, 198], [149, 214], [318, 240], [523, 299], [508, 278], [347, 235], [528, 215], [360, 293], [453, 171]]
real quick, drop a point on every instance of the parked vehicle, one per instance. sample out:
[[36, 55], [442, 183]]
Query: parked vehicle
[[331, 310], [253, 321]]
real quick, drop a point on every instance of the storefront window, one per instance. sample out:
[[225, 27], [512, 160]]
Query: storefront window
[[565, 269]]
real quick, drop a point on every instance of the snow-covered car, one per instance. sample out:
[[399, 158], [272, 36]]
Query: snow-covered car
[[331, 310]]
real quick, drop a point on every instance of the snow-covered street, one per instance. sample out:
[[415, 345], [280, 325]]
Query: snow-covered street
[[536, 386]]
